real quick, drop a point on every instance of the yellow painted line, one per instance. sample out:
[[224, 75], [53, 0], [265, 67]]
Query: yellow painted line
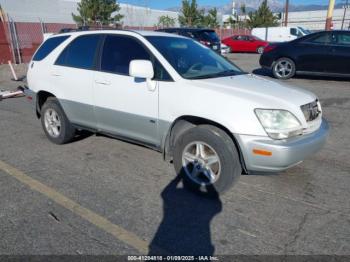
[[118, 232]]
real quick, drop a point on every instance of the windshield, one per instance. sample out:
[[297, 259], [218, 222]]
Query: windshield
[[191, 59], [305, 31]]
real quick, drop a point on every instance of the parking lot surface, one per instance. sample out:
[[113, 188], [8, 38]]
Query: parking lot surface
[[99, 195]]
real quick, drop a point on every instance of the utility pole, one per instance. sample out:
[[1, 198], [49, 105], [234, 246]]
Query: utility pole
[[286, 13], [346, 6], [330, 15]]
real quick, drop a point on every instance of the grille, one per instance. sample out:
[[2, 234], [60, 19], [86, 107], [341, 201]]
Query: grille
[[311, 111]]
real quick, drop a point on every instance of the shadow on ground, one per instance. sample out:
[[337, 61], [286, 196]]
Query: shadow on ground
[[267, 72], [185, 228]]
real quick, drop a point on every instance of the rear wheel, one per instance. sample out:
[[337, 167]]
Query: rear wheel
[[56, 125], [283, 68], [207, 159], [260, 50]]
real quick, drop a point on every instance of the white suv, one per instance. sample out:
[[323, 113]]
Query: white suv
[[176, 96]]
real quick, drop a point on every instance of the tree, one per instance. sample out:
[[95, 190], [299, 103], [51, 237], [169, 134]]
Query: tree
[[243, 9], [190, 15], [93, 12], [263, 17], [211, 19], [166, 21]]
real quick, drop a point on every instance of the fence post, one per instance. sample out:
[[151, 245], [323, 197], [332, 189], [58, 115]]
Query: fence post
[[15, 37], [11, 39]]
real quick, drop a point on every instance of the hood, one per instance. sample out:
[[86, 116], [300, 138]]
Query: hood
[[266, 93]]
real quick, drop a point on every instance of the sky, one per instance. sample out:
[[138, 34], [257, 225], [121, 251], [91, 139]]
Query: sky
[[163, 4]]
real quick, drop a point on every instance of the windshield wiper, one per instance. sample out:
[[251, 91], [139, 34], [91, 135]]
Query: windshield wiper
[[218, 74]]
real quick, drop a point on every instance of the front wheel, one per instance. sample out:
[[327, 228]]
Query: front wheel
[[283, 68], [207, 159]]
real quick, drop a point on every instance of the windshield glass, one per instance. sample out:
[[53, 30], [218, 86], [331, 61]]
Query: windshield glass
[[305, 31], [193, 60]]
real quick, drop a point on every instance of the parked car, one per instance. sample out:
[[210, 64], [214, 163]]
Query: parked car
[[174, 95], [225, 49], [280, 34], [322, 53], [207, 37], [245, 43]]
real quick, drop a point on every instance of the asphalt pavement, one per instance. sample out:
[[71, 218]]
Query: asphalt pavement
[[101, 196]]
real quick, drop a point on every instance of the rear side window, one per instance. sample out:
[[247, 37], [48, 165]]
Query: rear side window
[[80, 53], [323, 39], [48, 46]]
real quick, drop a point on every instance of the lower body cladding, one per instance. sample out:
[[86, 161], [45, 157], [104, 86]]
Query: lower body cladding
[[267, 155]]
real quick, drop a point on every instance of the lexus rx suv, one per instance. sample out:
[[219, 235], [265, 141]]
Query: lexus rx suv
[[173, 94]]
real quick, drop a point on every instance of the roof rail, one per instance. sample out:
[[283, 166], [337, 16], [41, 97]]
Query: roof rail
[[80, 28]]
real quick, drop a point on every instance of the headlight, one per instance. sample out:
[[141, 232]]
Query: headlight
[[279, 124]]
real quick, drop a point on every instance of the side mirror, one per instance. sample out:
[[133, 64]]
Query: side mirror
[[141, 69]]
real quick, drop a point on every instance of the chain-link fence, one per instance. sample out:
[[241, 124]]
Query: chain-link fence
[[23, 38]]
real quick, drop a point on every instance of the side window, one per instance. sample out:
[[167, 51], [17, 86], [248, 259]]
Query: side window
[[323, 39], [344, 39], [80, 53], [119, 51], [294, 31], [48, 46], [160, 74]]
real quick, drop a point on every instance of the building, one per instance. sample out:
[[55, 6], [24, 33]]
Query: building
[[24, 22], [60, 11], [315, 20]]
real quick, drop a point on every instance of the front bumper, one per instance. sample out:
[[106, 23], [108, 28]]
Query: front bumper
[[285, 153]]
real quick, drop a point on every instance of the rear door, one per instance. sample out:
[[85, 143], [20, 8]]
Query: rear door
[[73, 75], [312, 53]]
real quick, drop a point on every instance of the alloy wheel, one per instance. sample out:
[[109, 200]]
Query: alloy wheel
[[201, 163], [283, 69], [52, 122]]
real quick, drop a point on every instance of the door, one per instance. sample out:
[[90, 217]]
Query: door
[[73, 77], [312, 54], [124, 105], [340, 52], [239, 43]]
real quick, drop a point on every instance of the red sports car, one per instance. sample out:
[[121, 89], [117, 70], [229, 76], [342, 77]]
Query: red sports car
[[245, 43]]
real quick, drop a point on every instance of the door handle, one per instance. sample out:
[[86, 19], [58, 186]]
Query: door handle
[[103, 82], [55, 74]]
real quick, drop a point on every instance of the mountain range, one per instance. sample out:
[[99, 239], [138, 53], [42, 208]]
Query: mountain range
[[251, 5]]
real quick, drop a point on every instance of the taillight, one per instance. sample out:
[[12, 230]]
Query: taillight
[[269, 48]]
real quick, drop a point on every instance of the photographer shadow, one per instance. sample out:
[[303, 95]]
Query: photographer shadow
[[185, 228]]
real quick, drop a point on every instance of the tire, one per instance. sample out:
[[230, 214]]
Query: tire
[[193, 168], [260, 50], [283, 68], [55, 123]]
